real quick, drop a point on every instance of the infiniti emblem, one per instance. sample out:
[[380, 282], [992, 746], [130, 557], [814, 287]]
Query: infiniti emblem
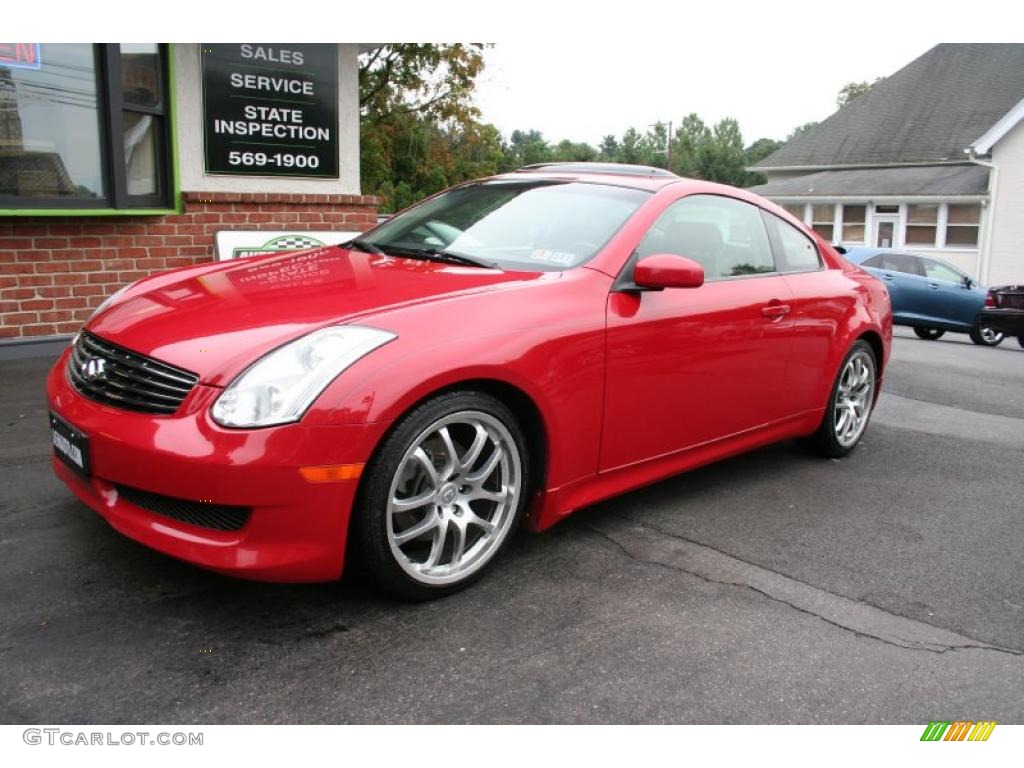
[[94, 367]]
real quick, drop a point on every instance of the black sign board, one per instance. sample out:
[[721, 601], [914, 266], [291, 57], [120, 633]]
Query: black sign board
[[271, 109]]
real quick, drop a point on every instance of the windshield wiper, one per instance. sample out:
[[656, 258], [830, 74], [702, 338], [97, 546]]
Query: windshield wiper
[[363, 245], [437, 254]]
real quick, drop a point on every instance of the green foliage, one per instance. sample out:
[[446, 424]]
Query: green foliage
[[852, 90], [420, 131]]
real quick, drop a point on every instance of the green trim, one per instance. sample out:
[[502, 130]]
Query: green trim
[[172, 126], [79, 212], [172, 104]]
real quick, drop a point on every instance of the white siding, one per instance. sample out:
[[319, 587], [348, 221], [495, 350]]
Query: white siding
[[1006, 255]]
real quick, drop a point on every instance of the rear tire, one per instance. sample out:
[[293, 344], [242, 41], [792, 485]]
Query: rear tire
[[442, 496], [849, 405], [986, 337], [928, 334], [1020, 340]]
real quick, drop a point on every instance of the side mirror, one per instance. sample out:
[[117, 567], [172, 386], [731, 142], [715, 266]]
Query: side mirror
[[968, 283], [667, 270]]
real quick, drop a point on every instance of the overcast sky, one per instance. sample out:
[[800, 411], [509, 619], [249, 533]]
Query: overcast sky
[[583, 90]]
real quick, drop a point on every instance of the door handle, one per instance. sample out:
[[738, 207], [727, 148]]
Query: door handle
[[775, 311], [886, 277], [933, 286]]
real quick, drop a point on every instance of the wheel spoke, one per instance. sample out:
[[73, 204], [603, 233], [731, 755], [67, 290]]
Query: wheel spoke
[[413, 502], [437, 546], [449, 447], [484, 495], [488, 468], [428, 523], [459, 534], [473, 453], [472, 518], [428, 466]]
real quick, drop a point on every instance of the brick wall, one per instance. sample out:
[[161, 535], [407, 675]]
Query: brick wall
[[55, 270]]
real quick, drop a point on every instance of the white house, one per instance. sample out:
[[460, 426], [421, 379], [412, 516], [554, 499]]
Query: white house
[[931, 159]]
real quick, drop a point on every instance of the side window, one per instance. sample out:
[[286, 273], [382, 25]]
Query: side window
[[936, 270], [725, 236], [799, 254], [874, 261], [902, 262]]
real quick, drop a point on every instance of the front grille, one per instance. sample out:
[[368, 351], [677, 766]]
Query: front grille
[[220, 517], [116, 376]]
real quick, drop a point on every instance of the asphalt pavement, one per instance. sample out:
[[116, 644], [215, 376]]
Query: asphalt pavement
[[772, 588]]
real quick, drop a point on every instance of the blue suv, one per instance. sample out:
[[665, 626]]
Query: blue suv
[[928, 294]]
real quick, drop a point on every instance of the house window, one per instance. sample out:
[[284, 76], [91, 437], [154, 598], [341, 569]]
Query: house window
[[86, 128], [823, 220], [854, 217], [922, 224], [962, 225], [796, 210]]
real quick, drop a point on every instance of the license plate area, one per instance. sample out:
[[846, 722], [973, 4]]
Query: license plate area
[[70, 445]]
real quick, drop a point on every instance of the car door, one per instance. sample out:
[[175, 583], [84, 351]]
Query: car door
[[687, 366], [817, 311], [950, 299], [908, 287]]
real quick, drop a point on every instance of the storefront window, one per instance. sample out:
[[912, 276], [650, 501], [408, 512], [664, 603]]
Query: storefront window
[[50, 126], [922, 224], [962, 225], [854, 217], [83, 126], [823, 220]]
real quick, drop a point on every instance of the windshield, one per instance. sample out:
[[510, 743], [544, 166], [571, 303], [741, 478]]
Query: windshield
[[518, 225]]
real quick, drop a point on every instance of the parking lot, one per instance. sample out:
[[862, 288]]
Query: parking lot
[[774, 587]]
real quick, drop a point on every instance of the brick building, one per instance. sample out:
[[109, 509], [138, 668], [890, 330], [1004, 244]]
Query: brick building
[[118, 161]]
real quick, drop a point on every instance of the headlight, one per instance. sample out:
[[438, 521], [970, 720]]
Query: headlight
[[280, 386], [109, 300]]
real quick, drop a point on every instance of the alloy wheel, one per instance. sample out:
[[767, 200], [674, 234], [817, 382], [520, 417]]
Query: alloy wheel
[[453, 498], [854, 397]]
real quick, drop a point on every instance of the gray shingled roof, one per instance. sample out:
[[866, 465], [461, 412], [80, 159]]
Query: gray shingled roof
[[929, 111], [944, 180]]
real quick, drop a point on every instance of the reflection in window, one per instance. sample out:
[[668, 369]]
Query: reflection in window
[[962, 225], [823, 220], [49, 126], [854, 217], [140, 154], [922, 224]]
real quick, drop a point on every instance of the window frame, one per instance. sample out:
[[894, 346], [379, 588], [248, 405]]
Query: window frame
[[110, 107], [624, 280], [772, 222]]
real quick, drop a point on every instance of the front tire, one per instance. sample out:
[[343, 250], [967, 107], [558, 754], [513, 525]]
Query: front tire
[[1020, 340], [928, 334], [849, 405], [442, 496], [986, 337]]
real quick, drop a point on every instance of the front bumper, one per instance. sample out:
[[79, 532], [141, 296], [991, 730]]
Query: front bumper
[[1009, 321], [296, 530]]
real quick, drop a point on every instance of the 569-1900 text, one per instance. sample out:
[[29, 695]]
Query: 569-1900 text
[[275, 160]]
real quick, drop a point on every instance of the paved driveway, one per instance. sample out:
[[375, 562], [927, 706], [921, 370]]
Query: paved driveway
[[887, 587]]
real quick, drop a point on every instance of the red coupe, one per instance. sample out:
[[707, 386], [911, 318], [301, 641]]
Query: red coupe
[[512, 349]]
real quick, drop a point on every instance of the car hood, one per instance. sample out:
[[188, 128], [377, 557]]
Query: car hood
[[216, 321]]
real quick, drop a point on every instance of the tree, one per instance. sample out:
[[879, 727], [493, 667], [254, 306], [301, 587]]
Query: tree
[[801, 129], [754, 154], [434, 80], [852, 90], [720, 154], [609, 148], [690, 136]]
